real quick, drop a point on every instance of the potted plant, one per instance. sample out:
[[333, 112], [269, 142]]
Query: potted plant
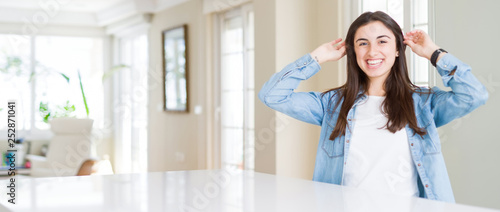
[[49, 112]]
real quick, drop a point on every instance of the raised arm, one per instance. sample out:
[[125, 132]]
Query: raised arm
[[278, 93], [467, 92]]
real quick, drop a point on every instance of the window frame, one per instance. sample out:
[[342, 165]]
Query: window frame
[[219, 18]]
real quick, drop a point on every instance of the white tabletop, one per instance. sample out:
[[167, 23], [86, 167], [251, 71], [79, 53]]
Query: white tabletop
[[203, 190]]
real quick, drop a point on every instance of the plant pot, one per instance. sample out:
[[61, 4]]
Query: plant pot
[[71, 125]]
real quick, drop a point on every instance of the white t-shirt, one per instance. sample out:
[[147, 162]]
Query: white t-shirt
[[378, 159]]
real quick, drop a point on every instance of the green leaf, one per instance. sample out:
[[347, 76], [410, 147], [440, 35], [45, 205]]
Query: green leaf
[[44, 107], [65, 77], [83, 93], [44, 111], [46, 118], [68, 109]]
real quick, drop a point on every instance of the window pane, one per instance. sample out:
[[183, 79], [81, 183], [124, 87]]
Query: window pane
[[140, 103], [232, 108], [233, 146], [131, 136], [233, 35], [394, 8], [232, 72], [250, 150], [421, 65], [374, 5], [421, 77], [421, 14], [57, 56], [14, 78]]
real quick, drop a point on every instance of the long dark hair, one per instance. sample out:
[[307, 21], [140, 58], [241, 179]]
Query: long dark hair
[[398, 103]]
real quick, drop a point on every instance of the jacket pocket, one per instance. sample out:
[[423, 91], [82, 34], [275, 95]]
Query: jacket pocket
[[430, 141], [333, 148]]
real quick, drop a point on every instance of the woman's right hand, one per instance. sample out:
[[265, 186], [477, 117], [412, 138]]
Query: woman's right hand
[[329, 51]]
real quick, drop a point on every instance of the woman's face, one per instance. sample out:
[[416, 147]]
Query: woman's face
[[375, 48]]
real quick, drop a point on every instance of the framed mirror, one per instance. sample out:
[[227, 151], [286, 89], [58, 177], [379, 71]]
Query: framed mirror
[[175, 69]]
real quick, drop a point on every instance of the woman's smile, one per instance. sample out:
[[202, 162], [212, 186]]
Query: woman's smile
[[374, 63]]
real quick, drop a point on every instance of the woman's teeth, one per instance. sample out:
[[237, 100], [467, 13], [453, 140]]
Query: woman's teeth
[[374, 62]]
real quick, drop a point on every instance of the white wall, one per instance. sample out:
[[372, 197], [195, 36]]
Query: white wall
[[285, 31], [265, 66], [470, 30], [296, 141], [303, 26]]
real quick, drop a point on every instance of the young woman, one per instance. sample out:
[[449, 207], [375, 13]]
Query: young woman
[[379, 131]]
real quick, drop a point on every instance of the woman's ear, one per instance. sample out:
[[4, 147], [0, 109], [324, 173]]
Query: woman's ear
[[397, 53]]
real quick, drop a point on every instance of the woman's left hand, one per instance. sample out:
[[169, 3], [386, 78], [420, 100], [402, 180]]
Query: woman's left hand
[[420, 43]]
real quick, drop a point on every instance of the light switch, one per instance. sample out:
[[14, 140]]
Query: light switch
[[198, 109]]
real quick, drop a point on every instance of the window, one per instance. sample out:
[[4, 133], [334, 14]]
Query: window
[[130, 104], [409, 15], [34, 71], [236, 91], [68, 55], [15, 80]]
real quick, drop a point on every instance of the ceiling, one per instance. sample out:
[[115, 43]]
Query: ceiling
[[65, 5], [88, 13]]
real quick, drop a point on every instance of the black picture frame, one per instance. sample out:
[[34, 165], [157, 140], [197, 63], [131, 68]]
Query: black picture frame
[[175, 69]]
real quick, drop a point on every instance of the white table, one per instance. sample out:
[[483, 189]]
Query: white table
[[204, 190]]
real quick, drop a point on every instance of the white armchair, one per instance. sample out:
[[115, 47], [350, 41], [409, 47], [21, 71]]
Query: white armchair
[[70, 146]]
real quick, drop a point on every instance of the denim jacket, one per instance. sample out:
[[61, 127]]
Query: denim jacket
[[432, 109]]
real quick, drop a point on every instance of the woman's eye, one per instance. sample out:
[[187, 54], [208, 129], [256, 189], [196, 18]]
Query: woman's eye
[[363, 44], [382, 41]]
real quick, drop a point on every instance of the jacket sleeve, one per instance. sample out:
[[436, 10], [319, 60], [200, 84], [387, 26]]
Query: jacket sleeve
[[278, 93], [466, 94]]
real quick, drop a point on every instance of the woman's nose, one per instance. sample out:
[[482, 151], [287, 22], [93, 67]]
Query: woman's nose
[[372, 50]]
